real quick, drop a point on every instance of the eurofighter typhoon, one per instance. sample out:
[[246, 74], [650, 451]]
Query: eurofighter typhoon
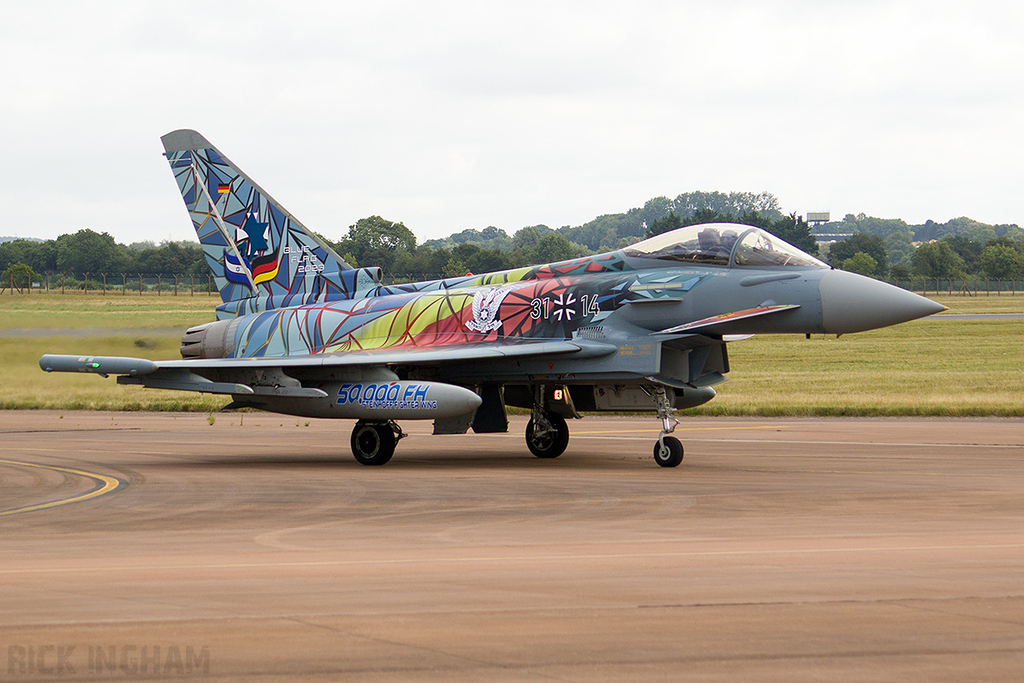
[[644, 328]]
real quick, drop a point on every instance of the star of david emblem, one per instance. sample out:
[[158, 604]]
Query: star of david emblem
[[255, 230]]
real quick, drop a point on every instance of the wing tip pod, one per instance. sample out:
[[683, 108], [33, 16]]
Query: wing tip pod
[[100, 365]]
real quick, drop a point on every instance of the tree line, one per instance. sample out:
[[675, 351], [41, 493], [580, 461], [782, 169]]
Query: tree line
[[87, 251], [960, 248], [879, 247]]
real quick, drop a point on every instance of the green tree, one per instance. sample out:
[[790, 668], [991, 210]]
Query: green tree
[[735, 203], [795, 230], [526, 238], [1005, 241], [376, 241], [40, 256], [899, 272], [454, 268], [666, 224], [17, 276], [861, 242], [170, 258], [937, 260], [792, 228], [478, 260], [551, 248], [656, 209], [883, 227], [967, 249], [488, 261], [1013, 231], [861, 263], [899, 247], [600, 230], [90, 252], [1001, 262]]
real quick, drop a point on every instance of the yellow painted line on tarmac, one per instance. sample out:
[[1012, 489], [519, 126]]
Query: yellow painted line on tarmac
[[516, 558], [107, 485], [677, 429]]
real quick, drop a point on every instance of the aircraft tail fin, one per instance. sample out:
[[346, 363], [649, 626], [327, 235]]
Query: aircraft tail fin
[[261, 256]]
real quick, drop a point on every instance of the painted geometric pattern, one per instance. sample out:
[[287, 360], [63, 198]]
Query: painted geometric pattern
[[254, 248], [588, 265], [532, 308]]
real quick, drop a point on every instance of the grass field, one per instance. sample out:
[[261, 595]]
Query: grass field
[[92, 311], [926, 367]]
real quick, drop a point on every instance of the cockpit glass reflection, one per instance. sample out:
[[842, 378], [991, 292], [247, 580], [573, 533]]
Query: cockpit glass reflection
[[758, 248], [721, 244]]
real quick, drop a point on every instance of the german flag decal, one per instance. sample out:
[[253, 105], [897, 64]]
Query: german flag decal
[[264, 268]]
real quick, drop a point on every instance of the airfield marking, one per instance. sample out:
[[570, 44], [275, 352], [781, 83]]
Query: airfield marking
[[518, 558], [107, 485], [677, 429], [909, 444]]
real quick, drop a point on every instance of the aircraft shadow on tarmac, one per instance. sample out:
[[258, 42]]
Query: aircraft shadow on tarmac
[[468, 460]]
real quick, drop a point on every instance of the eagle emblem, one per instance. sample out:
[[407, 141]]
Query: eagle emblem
[[485, 308]]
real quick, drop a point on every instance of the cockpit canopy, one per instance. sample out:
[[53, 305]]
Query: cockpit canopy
[[723, 244]]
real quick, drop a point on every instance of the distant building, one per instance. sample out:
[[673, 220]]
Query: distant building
[[833, 237]]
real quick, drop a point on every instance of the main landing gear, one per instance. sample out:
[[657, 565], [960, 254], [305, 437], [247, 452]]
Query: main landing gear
[[547, 435], [373, 443]]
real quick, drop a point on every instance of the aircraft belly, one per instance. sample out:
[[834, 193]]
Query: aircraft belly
[[673, 363], [631, 360]]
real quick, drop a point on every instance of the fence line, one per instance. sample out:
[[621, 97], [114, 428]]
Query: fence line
[[120, 284], [962, 286], [139, 284]]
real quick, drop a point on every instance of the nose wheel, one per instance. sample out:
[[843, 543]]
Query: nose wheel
[[668, 451]]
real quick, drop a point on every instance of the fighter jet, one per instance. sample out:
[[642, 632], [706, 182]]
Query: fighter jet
[[644, 328]]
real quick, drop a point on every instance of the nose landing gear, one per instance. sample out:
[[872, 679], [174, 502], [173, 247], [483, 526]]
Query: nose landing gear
[[668, 451]]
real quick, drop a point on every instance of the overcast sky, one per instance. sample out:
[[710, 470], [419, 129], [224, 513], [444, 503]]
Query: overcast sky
[[454, 115]]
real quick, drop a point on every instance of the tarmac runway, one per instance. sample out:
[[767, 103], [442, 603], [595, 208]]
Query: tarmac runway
[[160, 546]]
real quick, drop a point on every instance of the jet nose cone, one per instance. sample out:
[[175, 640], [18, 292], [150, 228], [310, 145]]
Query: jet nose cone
[[854, 303]]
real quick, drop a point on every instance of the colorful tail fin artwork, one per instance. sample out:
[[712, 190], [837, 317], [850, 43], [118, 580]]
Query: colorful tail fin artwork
[[261, 256]]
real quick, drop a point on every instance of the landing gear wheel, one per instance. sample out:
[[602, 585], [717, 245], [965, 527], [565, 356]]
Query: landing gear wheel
[[548, 442], [373, 443], [668, 452]]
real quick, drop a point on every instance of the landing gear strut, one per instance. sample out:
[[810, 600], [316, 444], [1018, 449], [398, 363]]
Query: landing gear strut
[[668, 451], [547, 434], [373, 443]]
